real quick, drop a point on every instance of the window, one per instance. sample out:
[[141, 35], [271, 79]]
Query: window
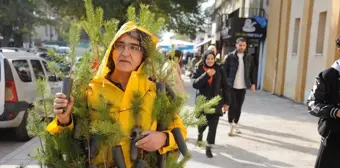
[[51, 76], [296, 35], [23, 70], [49, 73], [321, 32], [37, 69]]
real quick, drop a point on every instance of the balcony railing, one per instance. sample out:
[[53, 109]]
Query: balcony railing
[[250, 12]]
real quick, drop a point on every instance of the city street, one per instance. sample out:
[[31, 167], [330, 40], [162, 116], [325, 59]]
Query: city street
[[276, 133]]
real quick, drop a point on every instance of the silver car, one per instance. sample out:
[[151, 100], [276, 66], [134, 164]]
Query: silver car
[[19, 71]]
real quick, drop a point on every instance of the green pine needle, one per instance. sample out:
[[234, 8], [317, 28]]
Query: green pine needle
[[131, 14]]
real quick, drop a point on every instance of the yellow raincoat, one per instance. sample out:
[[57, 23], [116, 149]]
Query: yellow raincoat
[[121, 109]]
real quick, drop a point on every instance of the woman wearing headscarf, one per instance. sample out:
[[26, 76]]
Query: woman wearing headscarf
[[119, 76], [209, 80]]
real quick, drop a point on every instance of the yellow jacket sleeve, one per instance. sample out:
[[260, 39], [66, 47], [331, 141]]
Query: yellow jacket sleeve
[[54, 128], [172, 143]]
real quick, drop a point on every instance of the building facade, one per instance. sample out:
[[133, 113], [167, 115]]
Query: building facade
[[300, 43], [46, 33], [241, 18]]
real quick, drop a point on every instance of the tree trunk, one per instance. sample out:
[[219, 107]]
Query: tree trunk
[[6, 34], [18, 40]]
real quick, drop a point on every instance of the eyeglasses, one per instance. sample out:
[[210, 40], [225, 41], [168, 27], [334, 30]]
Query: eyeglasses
[[131, 47]]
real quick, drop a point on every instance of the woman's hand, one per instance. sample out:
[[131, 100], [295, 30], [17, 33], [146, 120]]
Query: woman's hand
[[211, 72], [61, 102], [153, 141]]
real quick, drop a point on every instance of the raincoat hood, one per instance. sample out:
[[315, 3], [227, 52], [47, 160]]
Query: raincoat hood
[[127, 27], [336, 65]]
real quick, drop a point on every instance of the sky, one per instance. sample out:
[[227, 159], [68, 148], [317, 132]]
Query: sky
[[167, 35]]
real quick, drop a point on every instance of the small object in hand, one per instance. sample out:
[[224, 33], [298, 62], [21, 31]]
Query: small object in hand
[[67, 88], [136, 135]]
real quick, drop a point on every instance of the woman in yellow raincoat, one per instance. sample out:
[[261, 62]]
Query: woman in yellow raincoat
[[119, 75]]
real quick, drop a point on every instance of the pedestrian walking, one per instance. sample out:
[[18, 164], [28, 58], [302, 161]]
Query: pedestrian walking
[[324, 102], [178, 75], [209, 80], [241, 74]]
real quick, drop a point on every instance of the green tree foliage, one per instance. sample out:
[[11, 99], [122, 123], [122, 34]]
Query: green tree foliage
[[183, 17], [18, 18]]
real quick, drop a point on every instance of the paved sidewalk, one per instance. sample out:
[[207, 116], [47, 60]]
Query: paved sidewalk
[[20, 156], [276, 133]]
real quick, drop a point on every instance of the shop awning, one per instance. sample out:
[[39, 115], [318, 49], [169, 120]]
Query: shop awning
[[203, 42], [178, 44]]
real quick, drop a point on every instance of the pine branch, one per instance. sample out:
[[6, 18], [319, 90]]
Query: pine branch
[[110, 30], [74, 37], [92, 26], [131, 14], [173, 163], [136, 105], [195, 117], [148, 20], [55, 57], [53, 67]]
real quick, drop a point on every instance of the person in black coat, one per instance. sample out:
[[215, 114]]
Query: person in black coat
[[209, 80], [241, 73], [324, 103]]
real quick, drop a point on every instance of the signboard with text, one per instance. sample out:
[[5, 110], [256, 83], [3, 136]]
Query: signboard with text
[[247, 27]]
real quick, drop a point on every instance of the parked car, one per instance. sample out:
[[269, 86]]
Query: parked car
[[62, 66], [19, 71]]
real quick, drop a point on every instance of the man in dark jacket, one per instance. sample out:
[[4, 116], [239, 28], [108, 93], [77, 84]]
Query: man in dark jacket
[[241, 74], [324, 102]]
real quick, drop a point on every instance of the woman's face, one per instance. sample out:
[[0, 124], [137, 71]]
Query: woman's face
[[210, 60], [127, 53]]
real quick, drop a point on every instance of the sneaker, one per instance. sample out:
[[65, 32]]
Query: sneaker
[[208, 152], [231, 129], [237, 129]]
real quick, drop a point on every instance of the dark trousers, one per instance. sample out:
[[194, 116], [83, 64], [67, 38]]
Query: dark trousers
[[329, 152], [212, 124], [236, 101]]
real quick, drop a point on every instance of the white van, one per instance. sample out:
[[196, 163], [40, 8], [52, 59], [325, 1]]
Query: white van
[[19, 71]]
